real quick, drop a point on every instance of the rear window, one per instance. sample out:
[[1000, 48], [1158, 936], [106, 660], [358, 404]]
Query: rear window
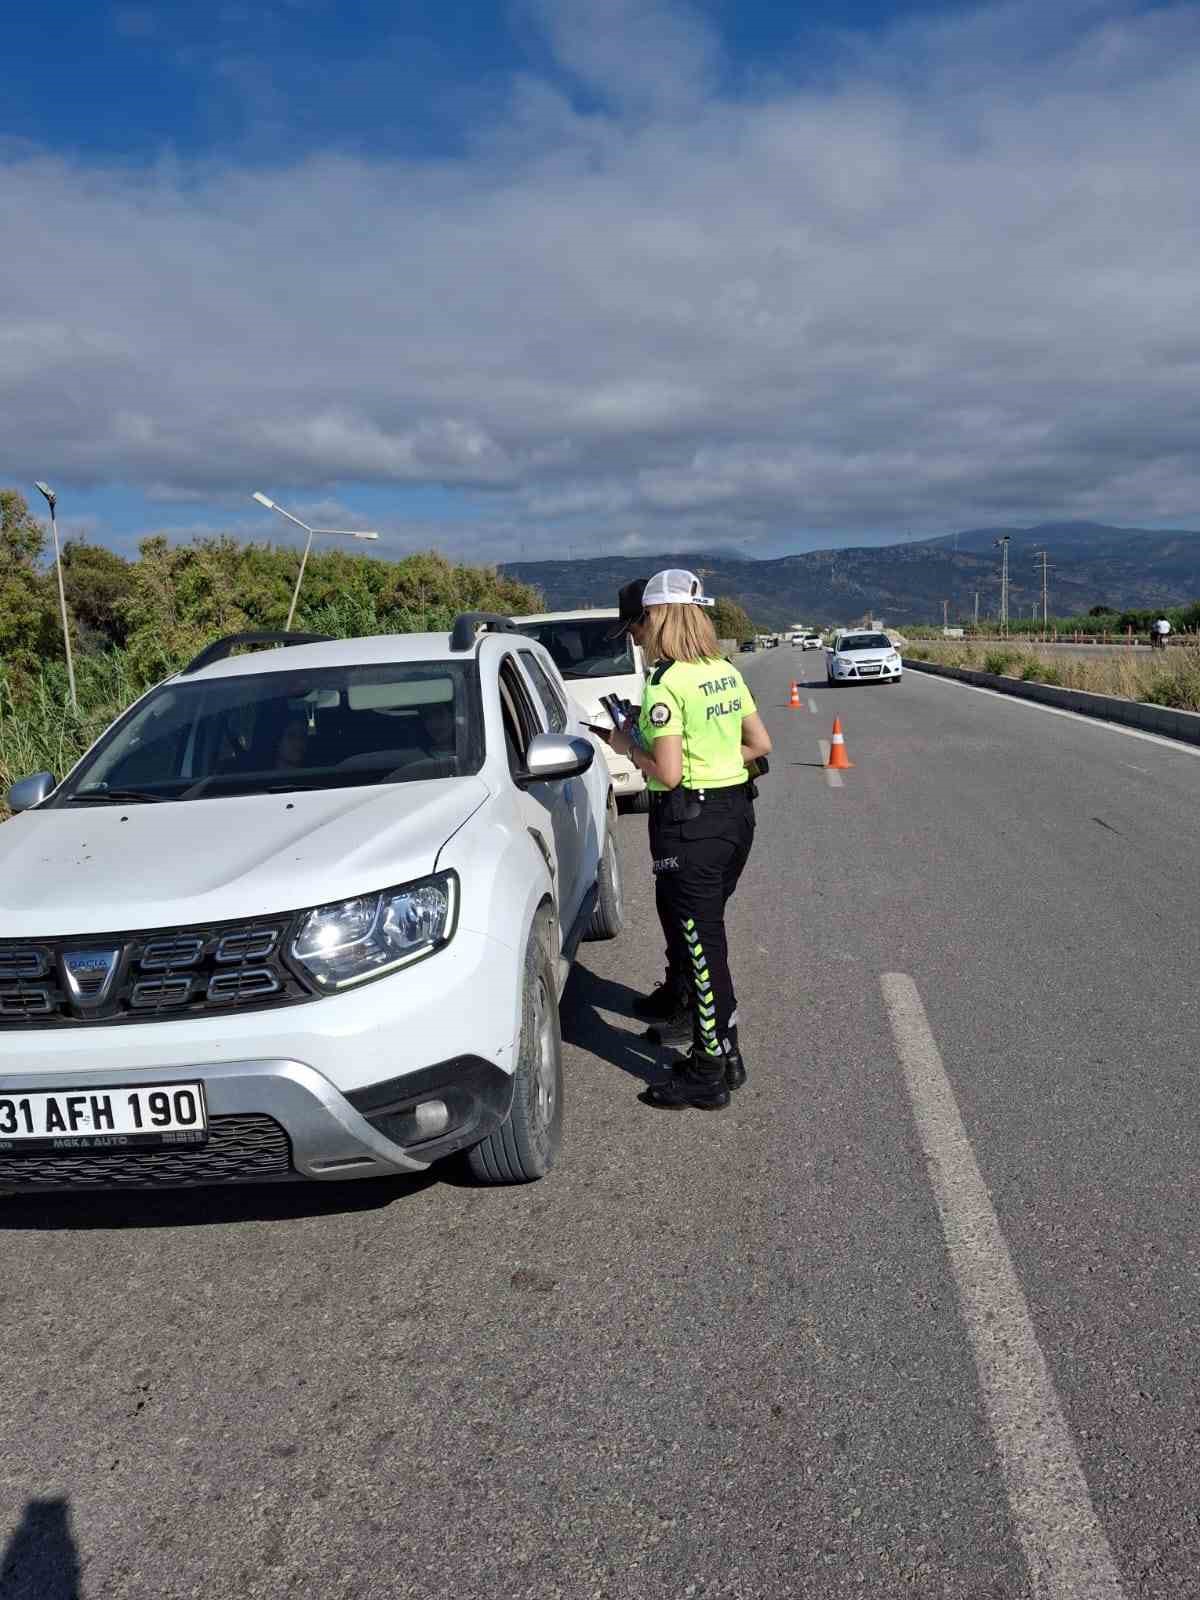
[[581, 647]]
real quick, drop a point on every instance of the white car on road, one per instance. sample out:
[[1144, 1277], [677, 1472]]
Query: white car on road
[[592, 664], [862, 658], [304, 913]]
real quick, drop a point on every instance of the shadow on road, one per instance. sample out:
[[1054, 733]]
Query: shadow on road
[[188, 1208], [41, 1561], [585, 996]]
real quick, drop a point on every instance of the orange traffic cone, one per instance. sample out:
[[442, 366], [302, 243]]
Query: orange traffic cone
[[794, 698], [838, 758]]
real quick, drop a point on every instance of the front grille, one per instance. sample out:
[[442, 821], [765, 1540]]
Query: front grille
[[21, 961], [177, 950], [160, 994], [159, 973], [240, 1149], [247, 983], [19, 1002]]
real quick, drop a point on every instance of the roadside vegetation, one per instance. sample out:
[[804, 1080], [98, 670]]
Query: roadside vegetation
[[1169, 678], [133, 622], [1100, 624]]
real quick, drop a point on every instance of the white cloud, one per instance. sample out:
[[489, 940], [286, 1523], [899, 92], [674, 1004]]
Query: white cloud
[[956, 283]]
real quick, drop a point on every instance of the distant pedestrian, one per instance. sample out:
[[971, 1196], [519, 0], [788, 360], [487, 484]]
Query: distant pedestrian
[[1158, 633]]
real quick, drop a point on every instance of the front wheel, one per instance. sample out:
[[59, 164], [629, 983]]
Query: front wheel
[[525, 1145], [639, 801], [608, 914]]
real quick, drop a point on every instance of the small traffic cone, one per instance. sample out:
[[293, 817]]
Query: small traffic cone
[[794, 697], [838, 759]]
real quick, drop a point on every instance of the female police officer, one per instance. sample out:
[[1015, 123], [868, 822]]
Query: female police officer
[[698, 728]]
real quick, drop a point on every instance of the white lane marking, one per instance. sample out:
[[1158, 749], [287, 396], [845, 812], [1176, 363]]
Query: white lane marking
[[1075, 716], [812, 705], [1066, 1548], [833, 779]]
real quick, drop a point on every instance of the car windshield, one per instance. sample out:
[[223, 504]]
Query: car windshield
[[581, 648], [865, 641], [320, 728]]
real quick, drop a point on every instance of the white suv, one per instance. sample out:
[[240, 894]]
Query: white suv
[[304, 914], [593, 663]]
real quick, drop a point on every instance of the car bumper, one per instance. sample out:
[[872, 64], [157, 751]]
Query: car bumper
[[858, 676], [626, 778], [329, 1089]]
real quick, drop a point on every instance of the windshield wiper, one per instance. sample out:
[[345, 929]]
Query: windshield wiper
[[116, 796]]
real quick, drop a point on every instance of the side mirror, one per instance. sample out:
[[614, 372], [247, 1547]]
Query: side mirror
[[554, 756], [29, 792]]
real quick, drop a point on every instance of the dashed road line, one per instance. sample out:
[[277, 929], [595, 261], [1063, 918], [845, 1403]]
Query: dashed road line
[[812, 705], [1065, 1547]]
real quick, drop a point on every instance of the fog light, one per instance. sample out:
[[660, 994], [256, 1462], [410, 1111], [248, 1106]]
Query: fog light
[[431, 1116]]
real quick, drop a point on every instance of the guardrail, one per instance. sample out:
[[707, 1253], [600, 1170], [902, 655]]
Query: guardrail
[[1165, 720]]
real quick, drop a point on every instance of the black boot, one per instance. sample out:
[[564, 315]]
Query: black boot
[[664, 1002], [735, 1067], [698, 1081], [675, 1031]]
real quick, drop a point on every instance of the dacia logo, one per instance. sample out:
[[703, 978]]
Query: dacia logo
[[89, 974]]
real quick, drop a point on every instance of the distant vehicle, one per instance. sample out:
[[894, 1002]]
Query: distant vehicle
[[804, 639], [859, 657], [593, 665], [749, 646]]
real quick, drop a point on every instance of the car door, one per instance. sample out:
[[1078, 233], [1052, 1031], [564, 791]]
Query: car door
[[561, 717], [548, 808]]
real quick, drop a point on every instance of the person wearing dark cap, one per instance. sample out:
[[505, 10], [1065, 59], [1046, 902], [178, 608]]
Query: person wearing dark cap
[[697, 731]]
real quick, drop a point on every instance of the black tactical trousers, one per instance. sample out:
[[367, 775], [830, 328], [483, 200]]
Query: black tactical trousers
[[697, 864]]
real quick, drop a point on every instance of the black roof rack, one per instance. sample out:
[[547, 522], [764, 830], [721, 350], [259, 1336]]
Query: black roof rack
[[220, 648], [468, 623]]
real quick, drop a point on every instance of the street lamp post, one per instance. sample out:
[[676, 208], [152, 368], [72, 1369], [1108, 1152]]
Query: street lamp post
[[342, 533], [51, 499]]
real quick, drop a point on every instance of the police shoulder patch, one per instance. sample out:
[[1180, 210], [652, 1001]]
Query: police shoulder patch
[[660, 715]]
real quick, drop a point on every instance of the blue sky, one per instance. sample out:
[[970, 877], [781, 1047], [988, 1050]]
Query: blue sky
[[565, 276]]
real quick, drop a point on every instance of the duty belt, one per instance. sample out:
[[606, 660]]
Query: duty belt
[[703, 797]]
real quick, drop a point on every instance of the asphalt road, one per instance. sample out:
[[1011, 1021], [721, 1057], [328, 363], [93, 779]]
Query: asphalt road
[[916, 1316]]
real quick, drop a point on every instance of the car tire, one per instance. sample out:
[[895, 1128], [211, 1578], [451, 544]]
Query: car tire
[[608, 914], [639, 801], [524, 1147]]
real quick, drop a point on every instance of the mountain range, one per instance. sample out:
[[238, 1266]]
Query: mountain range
[[1089, 564]]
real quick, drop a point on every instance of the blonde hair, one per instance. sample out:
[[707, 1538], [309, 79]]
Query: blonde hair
[[680, 633]]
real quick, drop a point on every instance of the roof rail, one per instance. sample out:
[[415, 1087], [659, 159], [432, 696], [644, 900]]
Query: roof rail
[[468, 624], [220, 648]]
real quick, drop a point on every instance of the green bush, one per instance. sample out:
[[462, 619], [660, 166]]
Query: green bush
[[999, 661]]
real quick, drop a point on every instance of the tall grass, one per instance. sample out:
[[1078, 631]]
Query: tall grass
[[1167, 679], [39, 732]]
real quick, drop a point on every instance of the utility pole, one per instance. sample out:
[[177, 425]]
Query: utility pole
[[945, 614], [977, 608], [1042, 557], [51, 500], [1003, 543]]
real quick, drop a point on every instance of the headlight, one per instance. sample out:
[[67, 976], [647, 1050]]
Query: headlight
[[893, 660], [352, 940]]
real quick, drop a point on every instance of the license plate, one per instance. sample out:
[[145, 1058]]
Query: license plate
[[101, 1119]]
